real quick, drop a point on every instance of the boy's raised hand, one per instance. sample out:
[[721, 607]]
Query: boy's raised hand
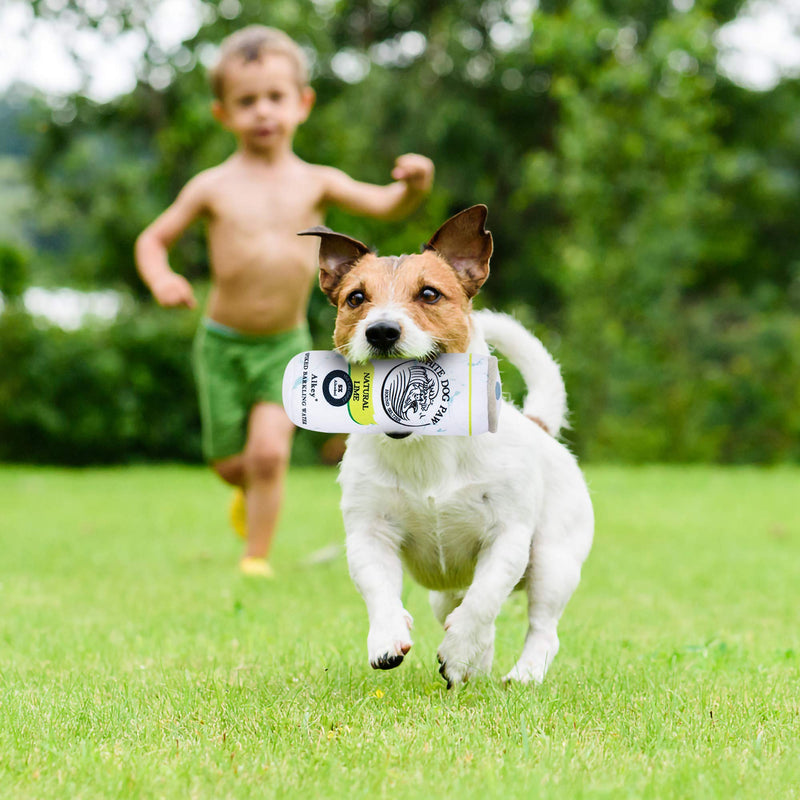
[[174, 290], [415, 171]]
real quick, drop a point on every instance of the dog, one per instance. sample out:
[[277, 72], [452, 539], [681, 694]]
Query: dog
[[470, 518]]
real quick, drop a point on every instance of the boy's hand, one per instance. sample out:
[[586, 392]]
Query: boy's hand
[[415, 171], [174, 290]]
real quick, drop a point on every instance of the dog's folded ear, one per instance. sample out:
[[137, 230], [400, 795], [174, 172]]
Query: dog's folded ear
[[467, 246], [337, 255]]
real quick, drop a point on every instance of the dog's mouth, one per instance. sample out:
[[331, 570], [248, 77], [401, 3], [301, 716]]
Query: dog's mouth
[[396, 352], [425, 358], [393, 352]]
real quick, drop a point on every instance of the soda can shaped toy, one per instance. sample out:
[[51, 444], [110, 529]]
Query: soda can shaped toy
[[458, 394]]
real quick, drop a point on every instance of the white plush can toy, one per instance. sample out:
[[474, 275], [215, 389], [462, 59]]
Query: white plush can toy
[[458, 394]]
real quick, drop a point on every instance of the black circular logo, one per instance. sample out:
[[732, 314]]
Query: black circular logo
[[337, 387]]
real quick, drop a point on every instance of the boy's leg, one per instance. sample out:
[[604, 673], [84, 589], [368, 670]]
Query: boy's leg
[[231, 470], [264, 464]]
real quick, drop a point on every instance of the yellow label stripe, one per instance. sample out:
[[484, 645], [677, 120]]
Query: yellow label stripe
[[361, 405]]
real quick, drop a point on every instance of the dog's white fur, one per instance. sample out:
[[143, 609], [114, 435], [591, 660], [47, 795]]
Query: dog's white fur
[[470, 518]]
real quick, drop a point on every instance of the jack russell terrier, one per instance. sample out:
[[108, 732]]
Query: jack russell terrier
[[470, 518]]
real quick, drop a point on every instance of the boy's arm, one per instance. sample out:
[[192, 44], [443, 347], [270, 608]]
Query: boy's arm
[[413, 176], [152, 246]]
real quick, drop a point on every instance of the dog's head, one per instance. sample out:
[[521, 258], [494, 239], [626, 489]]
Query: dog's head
[[412, 306]]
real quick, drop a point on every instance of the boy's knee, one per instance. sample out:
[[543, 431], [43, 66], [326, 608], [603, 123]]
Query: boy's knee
[[267, 461]]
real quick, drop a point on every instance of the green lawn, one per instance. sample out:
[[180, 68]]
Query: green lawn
[[136, 663]]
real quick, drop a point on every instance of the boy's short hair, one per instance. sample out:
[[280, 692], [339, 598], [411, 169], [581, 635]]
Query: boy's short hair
[[250, 44]]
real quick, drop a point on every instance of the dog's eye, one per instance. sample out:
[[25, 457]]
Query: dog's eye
[[355, 299], [429, 294]]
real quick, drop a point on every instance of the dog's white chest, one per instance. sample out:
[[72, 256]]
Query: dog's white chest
[[440, 515], [442, 534]]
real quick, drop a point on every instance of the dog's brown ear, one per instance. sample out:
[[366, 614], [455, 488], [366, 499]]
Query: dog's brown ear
[[337, 255], [467, 246]]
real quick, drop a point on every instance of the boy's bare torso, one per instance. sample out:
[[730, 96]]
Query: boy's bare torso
[[262, 272]]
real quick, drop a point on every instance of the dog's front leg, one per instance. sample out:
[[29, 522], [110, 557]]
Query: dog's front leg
[[468, 644], [376, 570]]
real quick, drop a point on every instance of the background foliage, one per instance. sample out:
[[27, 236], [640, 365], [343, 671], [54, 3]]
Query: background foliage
[[644, 211]]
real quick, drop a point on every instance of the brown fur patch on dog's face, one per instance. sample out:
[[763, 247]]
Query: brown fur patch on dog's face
[[425, 287]]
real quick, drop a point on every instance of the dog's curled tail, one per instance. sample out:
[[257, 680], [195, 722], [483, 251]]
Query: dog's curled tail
[[546, 398]]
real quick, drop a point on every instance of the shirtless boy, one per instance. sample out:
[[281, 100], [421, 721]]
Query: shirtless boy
[[254, 204]]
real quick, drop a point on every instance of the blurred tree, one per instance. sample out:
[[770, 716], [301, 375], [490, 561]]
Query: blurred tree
[[13, 271], [16, 199], [644, 209], [474, 84]]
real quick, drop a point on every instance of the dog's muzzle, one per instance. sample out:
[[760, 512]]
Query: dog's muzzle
[[383, 336]]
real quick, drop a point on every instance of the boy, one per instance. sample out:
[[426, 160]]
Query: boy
[[254, 204]]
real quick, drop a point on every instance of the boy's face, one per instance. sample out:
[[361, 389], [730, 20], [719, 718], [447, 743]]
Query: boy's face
[[263, 104]]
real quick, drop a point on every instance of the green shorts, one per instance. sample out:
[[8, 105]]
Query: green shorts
[[234, 371]]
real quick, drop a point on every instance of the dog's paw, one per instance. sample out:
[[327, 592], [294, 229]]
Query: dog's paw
[[387, 661], [526, 673], [536, 658], [388, 643], [467, 649]]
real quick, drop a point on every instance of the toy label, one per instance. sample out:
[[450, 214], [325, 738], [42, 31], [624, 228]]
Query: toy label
[[360, 406], [416, 394]]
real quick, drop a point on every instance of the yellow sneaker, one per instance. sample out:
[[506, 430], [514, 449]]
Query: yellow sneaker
[[256, 567], [237, 514]]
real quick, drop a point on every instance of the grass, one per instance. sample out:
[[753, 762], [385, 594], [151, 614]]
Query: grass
[[136, 663]]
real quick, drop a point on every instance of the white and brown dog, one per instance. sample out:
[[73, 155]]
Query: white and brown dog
[[470, 518]]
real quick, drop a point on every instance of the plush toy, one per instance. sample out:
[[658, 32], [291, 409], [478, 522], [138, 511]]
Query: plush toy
[[456, 394]]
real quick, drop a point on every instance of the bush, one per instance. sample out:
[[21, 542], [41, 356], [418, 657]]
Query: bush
[[107, 394], [722, 386]]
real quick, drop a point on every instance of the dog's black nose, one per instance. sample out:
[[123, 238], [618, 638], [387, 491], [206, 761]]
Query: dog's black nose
[[383, 335]]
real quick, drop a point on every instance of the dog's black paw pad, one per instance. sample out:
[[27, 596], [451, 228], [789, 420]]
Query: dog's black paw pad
[[443, 673], [387, 661]]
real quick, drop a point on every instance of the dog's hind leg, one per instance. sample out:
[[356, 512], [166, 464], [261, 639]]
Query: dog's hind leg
[[468, 643], [552, 577], [442, 603]]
